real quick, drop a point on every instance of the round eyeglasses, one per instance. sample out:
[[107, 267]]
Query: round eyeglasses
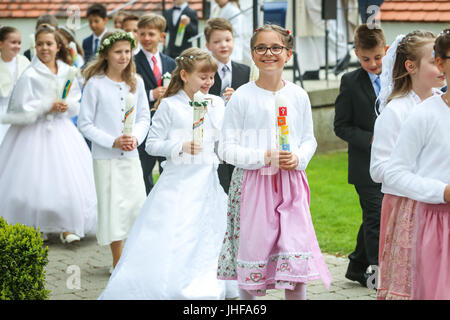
[[275, 50]]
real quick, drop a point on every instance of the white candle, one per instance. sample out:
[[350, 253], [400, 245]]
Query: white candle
[[281, 112], [68, 83], [130, 112], [199, 104], [166, 79]]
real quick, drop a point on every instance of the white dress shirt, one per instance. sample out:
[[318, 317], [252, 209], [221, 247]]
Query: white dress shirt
[[177, 13], [420, 161], [149, 57], [102, 113], [249, 127]]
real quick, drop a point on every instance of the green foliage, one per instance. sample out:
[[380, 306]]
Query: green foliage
[[22, 262]]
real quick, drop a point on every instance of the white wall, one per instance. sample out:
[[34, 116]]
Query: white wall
[[392, 29]]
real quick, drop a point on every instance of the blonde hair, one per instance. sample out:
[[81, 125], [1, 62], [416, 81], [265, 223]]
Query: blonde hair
[[217, 24], [99, 65], [190, 60], [152, 21], [410, 48]]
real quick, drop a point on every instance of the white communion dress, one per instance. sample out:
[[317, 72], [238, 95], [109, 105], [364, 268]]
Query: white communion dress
[[173, 248], [46, 174]]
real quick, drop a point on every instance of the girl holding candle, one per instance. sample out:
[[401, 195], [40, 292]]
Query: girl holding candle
[[419, 167], [409, 76], [12, 65], [46, 177], [270, 240], [174, 245], [113, 100]]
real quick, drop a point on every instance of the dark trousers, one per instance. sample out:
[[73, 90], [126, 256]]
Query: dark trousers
[[225, 171], [148, 163], [366, 251]]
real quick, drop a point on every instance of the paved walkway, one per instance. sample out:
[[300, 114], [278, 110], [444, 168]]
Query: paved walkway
[[80, 271]]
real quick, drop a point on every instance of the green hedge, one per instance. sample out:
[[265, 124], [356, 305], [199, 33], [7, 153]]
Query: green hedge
[[22, 262]]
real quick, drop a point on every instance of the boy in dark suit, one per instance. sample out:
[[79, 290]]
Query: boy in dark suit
[[354, 122], [151, 65], [96, 15], [229, 76], [180, 13]]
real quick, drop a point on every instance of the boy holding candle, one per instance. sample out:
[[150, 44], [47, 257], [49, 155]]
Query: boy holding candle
[[151, 64], [97, 17], [181, 21], [354, 122], [229, 76]]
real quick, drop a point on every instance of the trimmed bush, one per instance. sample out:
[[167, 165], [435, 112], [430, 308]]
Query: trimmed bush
[[22, 262]]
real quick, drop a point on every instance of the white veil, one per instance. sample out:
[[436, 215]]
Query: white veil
[[386, 81]]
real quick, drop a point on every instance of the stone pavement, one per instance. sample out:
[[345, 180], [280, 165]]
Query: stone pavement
[[80, 271]]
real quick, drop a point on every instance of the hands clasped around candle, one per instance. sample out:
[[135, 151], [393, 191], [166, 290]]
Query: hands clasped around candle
[[125, 143], [285, 160]]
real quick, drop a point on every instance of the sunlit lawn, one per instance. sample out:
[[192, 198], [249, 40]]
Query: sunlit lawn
[[335, 206]]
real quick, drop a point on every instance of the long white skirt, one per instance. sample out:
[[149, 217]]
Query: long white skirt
[[121, 194], [173, 248], [46, 178]]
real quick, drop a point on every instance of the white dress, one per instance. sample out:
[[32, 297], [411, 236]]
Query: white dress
[[10, 72], [46, 176], [173, 248]]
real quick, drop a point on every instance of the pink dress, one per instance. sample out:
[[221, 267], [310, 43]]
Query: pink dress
[[270, 240], [395, 249], [431, 247]]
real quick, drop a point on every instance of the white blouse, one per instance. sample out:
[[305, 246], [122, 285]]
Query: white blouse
[[386, 130], [249, 127], [419, 166], [102, 113]]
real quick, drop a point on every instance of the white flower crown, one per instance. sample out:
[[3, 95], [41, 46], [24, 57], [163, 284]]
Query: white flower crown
[[109, 41]]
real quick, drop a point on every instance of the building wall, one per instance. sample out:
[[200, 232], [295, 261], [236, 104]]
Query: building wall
[[392, 29]]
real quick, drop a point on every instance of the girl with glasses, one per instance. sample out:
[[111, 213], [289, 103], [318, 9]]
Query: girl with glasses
[[270, 240]]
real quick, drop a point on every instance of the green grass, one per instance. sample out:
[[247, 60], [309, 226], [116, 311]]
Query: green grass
[[335, 209]]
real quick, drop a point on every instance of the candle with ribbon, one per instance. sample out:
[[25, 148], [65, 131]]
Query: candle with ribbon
[[281, 112], [199, 104], [130, 111], [180, 34], [166, 79], [74, 54], [68, 82]]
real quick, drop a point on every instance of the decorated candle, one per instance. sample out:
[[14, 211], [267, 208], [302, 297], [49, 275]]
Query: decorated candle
[[74, 54], [68, 83], [199, 104], [281, 112], [180, 35], [128, 119], [166, 79]]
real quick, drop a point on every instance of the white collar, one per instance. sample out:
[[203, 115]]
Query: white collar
[[150, 55], [183, 6], [100, 37], [220, 64]]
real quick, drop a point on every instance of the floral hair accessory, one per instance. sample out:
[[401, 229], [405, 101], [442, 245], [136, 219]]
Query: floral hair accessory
[[116, 36], [182, 58], [256, 30], [288, 32]]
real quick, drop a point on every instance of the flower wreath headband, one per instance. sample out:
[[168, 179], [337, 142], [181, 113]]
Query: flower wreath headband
[[109, 41]]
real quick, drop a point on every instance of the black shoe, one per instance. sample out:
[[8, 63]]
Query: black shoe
[[362, 278]]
